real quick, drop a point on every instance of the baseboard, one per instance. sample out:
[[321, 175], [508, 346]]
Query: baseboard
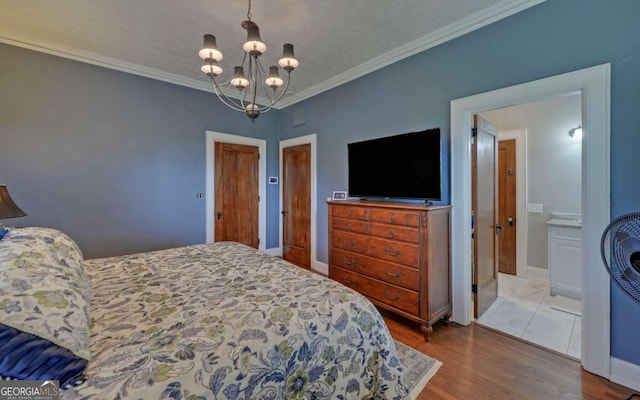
[[320, 267], [315, 265], [541, 274], [625, 373], [275, 251]]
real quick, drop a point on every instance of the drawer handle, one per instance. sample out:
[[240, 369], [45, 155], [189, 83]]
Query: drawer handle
[[348, 213], [391, 233], [352, 262], [388, 296], [348, 281], [397, 274], [348, 227], [392, 218], [395, 254], [346, 242]]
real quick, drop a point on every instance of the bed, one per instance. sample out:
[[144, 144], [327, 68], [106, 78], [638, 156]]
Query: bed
[[213, 321]]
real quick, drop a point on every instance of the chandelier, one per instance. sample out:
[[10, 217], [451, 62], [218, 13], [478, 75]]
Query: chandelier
[[247, 85]]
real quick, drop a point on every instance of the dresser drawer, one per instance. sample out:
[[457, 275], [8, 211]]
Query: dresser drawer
[[403, 299], [395, 232], [349, 241], [394, 251], [400, 275], [351, 225], [388, 216], [349, 212]]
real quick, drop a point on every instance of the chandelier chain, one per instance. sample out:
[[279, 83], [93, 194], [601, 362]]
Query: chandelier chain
[[249, 11]]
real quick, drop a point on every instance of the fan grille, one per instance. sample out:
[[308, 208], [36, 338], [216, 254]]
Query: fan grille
[[617, 253]]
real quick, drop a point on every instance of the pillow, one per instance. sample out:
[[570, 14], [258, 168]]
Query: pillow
[[44, 307], [3, 232], [27, 356]]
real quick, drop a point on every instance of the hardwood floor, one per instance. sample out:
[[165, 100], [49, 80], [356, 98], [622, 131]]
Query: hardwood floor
[[481, 364]]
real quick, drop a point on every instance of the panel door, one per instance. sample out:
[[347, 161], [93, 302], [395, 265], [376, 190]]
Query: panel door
[[236, 197], [485, 211], [507, 206], [296, 205]]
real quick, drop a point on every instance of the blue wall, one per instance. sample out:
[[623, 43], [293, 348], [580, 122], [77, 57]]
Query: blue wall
[[113, 159], [554, 37]]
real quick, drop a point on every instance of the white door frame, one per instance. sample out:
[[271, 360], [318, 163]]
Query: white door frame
[[311, 140], [520, 136], [594, 85], [211, 139]]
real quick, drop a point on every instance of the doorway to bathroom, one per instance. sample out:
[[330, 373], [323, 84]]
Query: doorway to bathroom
[[538, 214], [595, 85]]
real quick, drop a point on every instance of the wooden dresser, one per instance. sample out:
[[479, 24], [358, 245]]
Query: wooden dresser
[[397, 255]]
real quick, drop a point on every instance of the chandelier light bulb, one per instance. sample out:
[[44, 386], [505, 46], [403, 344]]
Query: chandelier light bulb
[[274, 81], [239, 81], [212, 69]]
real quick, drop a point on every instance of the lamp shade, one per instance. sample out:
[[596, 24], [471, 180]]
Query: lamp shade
[[212, 69], [288, 60], [274, 81], [239, 80], [210, 49], [8, 209], [254, 44]]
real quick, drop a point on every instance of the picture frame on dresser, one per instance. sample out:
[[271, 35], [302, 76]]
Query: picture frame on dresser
[[339, 195]]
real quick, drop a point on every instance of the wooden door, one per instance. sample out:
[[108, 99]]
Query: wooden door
[[236, 198], [296, 205], [507, 206], [485, 210]]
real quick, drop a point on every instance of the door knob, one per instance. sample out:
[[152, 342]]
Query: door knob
[[219, 214], [498, 229], [510, 219]]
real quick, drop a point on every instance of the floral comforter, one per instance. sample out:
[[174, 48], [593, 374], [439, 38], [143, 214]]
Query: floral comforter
[[224, 321]]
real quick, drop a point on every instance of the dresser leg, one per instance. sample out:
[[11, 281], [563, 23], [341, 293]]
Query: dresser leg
[[426, 330], [445, 319]]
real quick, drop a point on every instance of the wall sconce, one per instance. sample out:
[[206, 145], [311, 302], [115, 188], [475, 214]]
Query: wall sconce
[[576, 134]]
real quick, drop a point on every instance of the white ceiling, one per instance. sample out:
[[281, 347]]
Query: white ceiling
[[335, 40]]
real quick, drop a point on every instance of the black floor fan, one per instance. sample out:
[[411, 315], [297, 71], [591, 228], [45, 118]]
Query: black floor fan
[[620, 249], [621, 253]]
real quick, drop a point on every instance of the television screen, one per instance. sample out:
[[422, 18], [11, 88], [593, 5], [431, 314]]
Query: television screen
[[401, 167]]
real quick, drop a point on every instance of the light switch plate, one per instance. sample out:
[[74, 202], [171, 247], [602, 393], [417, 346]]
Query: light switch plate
[[534, 208]]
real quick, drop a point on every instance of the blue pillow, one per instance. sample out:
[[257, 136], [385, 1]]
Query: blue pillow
[[44, 307], [3, 232], [26, 356]]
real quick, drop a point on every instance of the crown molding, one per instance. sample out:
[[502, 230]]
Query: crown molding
[[478, 20], [473, 22], [115, 64]]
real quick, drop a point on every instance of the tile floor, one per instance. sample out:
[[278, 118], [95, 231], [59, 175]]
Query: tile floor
[[523, 310]]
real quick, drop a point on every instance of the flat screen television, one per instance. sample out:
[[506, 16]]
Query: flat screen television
[[403, 166]]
